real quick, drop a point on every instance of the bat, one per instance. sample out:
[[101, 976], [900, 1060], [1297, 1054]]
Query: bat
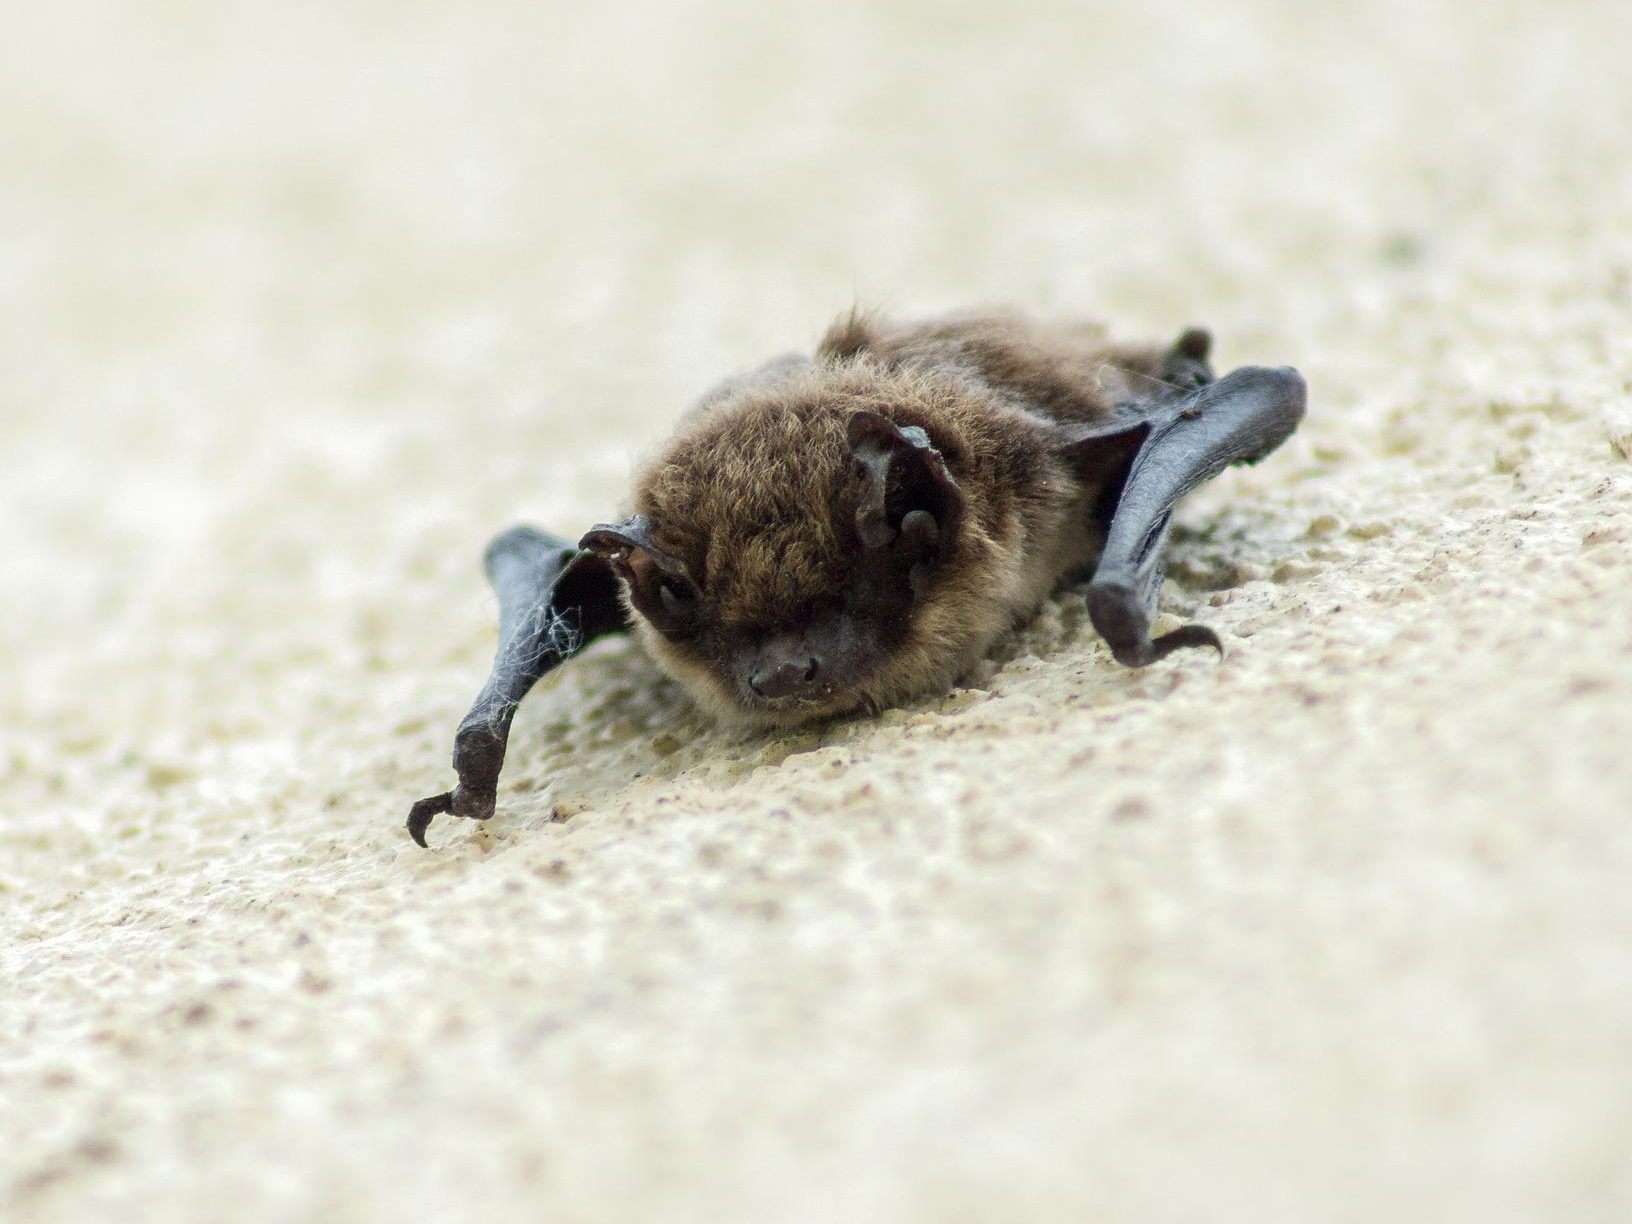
[[854, 529]]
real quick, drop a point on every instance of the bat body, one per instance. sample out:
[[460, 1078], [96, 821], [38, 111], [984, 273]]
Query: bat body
[[853, 529]]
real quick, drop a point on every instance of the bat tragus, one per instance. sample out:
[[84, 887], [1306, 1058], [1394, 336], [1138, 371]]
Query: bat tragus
[[853, 529]]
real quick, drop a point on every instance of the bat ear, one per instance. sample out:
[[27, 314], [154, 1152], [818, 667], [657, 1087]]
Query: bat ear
[[616, 541], [1184, 366], [1099, 450], [1196, 343], [909, 502], [659, 585]]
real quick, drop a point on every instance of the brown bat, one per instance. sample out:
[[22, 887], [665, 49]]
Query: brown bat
[[853, 529]]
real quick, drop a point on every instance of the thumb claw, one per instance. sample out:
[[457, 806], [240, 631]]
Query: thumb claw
[[1185, 635], [425, 811]]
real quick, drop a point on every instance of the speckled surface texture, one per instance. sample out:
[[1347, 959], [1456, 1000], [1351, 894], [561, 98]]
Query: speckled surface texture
[[299, 303]]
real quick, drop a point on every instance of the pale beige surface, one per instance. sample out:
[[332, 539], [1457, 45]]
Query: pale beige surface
[[299, 303]]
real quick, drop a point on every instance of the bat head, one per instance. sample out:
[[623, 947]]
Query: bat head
[[803, 555]]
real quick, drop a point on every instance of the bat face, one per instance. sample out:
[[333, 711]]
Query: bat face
[[802, 556]]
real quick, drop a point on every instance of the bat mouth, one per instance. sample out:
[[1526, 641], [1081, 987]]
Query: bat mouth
[[829, 702]]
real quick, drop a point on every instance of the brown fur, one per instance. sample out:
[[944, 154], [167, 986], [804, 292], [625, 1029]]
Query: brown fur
[[757, 495]]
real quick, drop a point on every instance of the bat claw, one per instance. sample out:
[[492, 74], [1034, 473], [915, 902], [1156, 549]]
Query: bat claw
[[425, 811], [1185, 635]]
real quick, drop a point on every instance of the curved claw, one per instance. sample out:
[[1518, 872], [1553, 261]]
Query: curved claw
[[1182, 637], [425, 811]]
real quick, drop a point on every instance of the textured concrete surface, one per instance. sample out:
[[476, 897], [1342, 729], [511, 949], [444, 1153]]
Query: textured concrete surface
[[299, 302]]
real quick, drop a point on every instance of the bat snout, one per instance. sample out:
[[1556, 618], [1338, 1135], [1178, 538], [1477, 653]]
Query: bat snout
[[817, 667], [787, 671]]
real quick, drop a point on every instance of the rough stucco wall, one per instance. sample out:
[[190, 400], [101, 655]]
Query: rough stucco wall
[[297, 304]]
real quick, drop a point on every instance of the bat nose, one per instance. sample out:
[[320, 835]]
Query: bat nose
[[786, 677]]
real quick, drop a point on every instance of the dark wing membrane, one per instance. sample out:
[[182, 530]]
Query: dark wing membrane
[[1167, 446], [553, 601]]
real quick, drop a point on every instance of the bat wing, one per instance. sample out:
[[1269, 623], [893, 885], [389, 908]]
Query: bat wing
[[1152, 453], [553, 600]]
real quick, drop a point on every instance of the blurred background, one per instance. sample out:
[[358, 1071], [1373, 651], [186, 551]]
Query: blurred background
[[257, 255], [300, 302]]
